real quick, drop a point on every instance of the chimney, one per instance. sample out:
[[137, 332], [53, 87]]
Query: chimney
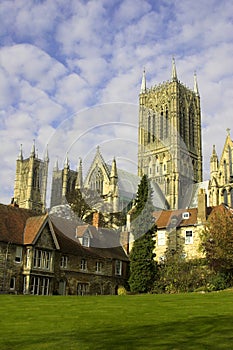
[[201, 206], [96, 220], [124, 241]]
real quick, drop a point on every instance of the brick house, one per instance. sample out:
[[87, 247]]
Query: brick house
[[43, 256]]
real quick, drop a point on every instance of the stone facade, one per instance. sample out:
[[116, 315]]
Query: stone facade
[[36, 257], [221, 175], [31, 181], [169, 138]]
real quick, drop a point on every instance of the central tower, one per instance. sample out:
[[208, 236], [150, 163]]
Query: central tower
[[169, 138]]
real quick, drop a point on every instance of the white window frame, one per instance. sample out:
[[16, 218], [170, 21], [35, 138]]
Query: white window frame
[[42, 259], [185, 215], [83, 265], [188, 237], [98, 266], [161, 238], [64, 262], [118, 267], [18, 254]]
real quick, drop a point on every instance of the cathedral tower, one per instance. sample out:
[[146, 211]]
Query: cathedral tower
[[31, 181], [169, 138]]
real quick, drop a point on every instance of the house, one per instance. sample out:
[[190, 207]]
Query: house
[[182, 228], [45, 255]]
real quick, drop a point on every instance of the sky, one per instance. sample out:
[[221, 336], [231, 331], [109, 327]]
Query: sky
[[71, 70]]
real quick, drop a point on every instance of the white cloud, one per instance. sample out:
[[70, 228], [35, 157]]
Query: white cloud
[[60, 57]]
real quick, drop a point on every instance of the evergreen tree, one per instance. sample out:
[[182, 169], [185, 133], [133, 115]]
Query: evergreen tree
[[142, 264]]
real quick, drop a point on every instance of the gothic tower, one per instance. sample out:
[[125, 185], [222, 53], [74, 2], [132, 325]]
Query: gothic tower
[[31, 181], [63, 183], [169, 138], [221, 175]]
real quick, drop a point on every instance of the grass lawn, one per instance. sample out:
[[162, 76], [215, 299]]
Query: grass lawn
[[174, 322]]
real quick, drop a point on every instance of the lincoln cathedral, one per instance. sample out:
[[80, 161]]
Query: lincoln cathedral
[[45, 252]]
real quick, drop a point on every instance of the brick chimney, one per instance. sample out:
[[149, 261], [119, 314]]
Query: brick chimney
[[96, 220], [202, 206]]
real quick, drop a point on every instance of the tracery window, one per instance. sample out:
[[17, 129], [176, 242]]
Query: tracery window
[[96, 180]]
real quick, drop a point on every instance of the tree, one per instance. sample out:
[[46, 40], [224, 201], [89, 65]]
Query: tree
[[142, 264], [217, 240]]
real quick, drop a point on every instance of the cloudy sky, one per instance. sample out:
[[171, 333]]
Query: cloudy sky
[[70, 74]]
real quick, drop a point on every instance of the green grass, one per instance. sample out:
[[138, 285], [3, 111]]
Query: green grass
[[176, 322]]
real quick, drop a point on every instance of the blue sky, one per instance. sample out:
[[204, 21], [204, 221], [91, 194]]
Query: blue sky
[[70, 74]]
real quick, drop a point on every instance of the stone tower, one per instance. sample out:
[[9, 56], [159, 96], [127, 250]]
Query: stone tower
[[221, 175], [64, 183], [169, 138], [31, 181]]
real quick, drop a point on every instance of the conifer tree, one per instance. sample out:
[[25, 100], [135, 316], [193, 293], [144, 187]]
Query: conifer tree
[[142, 264]]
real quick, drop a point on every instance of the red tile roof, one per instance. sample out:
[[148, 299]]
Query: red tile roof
[[165, 218], [12, 223], [32, 228]]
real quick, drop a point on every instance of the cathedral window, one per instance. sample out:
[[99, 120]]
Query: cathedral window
[[167, 187], [96, 180], [230, 161], [161, 125], [191, 127], [153, 128], [231, 196], [149, 129], [166, 124], [225, 199], [36, 179], [225, 171]]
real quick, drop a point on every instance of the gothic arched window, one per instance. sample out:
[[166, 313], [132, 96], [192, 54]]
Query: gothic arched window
[[231, 196], [149, 129], [153, 128], [225, 199], [96, 180], [166, 124], [161, 125]]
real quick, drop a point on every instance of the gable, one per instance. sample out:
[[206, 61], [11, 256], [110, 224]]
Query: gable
[[39, 231], [45, 239], [98, 164]]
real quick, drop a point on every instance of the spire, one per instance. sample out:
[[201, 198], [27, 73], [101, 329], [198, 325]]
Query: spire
[[33, 151], [55, 168], [66, 164], [113, 169], [80, 175], [143, 85], [174, 74], [46, 157], [228, 132], [195, 85], [20, 156], [213, 161]]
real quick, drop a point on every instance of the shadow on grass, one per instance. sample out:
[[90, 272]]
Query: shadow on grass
[[197, 333]]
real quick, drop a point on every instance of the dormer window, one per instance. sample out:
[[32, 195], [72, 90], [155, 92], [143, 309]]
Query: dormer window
[[185, 215], [86, 240]]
